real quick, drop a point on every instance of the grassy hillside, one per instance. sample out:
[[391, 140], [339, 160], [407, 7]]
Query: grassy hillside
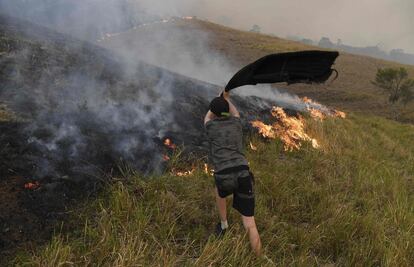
[[353, 89], [351, 203]]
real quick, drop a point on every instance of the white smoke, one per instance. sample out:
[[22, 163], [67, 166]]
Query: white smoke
[[280, 98]]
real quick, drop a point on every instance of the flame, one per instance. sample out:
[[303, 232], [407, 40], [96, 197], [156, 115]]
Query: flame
[[321, 112], [182, 173], [315, 143], [168, 143], [316, 114], [339, 114], [308, 100], [253, 147], [32, 186], [207, 170], [264, 129], [290, 130], [319, 115], [185, 173]]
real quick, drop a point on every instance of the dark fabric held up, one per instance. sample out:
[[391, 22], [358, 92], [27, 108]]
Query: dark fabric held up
[[226, 143], [293, 67]]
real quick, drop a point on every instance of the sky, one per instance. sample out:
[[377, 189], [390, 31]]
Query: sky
[[387, 23]]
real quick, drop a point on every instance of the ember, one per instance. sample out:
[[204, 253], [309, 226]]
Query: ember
[[168, 143], [32, 186]]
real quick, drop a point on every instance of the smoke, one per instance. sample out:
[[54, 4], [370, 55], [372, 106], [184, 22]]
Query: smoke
[[82, 114], [165, 43], [85, 106], [283, 99], [87, 20]]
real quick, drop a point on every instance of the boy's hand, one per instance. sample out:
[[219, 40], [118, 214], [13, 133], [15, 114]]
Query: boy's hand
[[225, 94]]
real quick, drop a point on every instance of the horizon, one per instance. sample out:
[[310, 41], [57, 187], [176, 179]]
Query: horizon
[[385, 23]]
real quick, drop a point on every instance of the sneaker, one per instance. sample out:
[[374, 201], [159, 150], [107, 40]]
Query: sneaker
[[219, 231]]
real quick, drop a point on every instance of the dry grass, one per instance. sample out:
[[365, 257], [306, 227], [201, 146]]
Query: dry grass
[[349, 204]]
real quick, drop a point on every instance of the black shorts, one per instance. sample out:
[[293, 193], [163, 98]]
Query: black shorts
[[240, 184]]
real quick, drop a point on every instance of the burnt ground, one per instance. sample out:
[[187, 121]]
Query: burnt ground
[[25, 222], [80, 112], [27, 216], [17, 223]]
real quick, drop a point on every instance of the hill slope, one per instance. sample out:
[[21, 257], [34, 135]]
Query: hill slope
[[352, 91], [349, 204]]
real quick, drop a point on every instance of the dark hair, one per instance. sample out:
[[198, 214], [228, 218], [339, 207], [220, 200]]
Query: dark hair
[[219, 106]]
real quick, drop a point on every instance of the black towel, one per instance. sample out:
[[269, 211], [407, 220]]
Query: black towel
[[292, 67]]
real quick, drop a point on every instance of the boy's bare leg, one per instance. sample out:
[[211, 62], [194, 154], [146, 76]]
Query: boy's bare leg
[[221, 206], [254, 238]]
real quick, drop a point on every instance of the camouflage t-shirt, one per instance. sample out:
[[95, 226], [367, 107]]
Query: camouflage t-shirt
[[226, 143]]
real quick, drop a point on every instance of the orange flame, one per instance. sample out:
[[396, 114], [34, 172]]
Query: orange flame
[[319, 114], [182, 173], [264, 129], [308, 100], [316, 114], [289, 129], [168, 143], [339, 114], [207, 170]]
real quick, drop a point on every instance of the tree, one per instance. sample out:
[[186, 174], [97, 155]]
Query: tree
[[255, 28], [326, 43], [396, 84]]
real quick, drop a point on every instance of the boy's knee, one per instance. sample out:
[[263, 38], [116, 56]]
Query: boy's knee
[[249, 223]]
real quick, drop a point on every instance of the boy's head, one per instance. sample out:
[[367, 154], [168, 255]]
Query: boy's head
[[220, 107]]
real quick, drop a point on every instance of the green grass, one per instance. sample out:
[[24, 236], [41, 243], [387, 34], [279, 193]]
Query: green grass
[[351, 203]]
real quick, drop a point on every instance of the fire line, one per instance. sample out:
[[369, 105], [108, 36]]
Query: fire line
[[291, 130]]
